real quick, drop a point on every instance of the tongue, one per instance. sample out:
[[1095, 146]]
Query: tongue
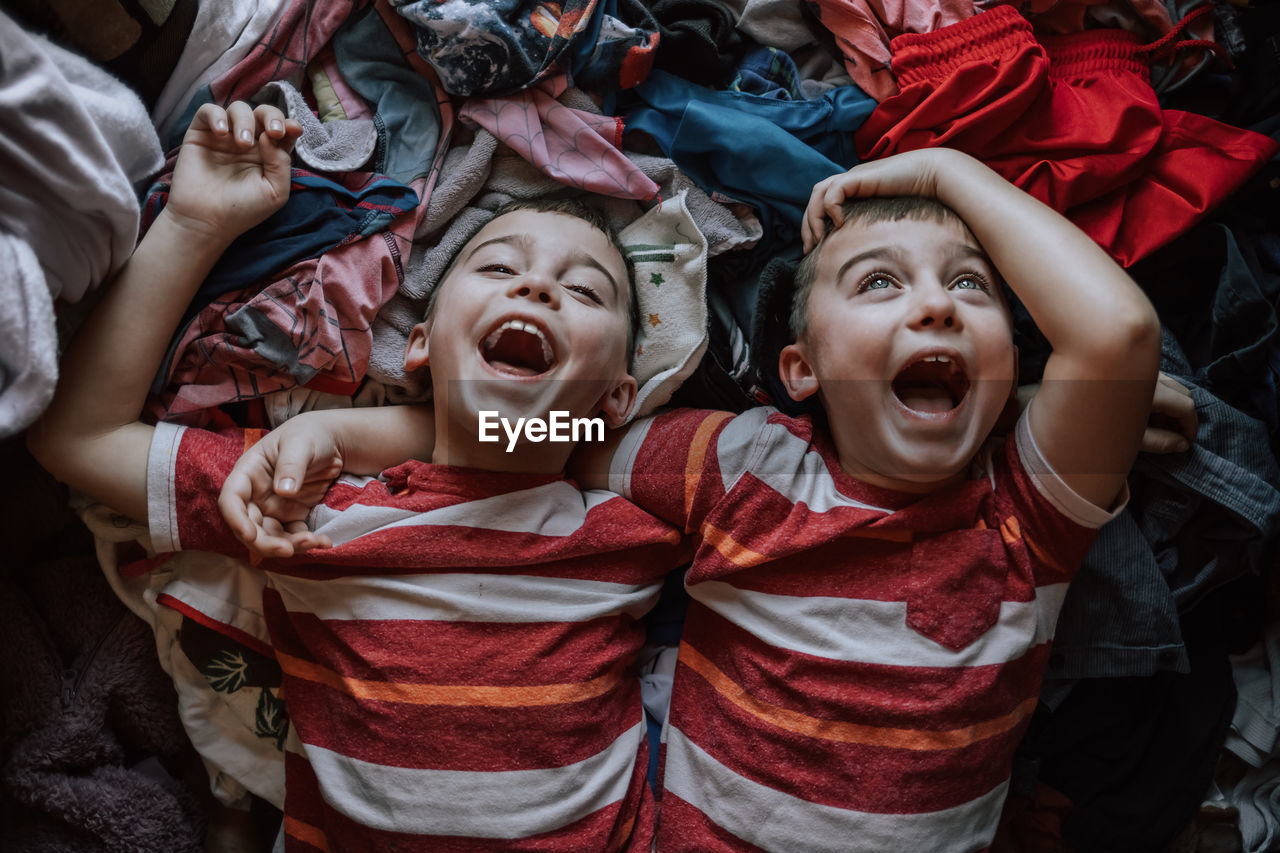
[[508, 367], [925, 398]]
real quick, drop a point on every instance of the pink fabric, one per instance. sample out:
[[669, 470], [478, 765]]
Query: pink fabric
[[285, 50], [323, 307], [864, 28], [575, 147]]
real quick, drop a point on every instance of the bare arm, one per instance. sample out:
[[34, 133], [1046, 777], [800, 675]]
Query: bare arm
[[1097, 388], [232, 172]]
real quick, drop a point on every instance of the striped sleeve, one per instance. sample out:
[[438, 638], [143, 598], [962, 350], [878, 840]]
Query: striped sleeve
[[1057, 524], [185, 471], [677, 465]]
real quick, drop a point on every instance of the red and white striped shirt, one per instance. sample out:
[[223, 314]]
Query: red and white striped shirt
[[857, 665], [457, 668]]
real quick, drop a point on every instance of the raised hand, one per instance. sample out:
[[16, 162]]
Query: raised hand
[[232, 170], [914, 173]]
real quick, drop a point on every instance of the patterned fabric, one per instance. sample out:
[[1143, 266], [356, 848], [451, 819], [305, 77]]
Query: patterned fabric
[[310, 323], [575, 147], [497, 47], [857, 664], [457, 669]]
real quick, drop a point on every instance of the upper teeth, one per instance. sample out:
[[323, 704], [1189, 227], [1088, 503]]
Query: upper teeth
[[941, 358], [522, 326]]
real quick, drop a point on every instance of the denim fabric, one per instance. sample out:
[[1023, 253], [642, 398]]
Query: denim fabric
[[1119, 616], [769, 73], [1195, 521], [1211, 514], [1216, 291]]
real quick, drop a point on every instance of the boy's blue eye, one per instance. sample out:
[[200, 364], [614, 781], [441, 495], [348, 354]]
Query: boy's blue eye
[[498, 268], [875, 282], [970, 282]]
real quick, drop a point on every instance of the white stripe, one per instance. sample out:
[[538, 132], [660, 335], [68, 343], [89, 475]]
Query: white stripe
[[624, 458], [1050, 484], [853, 629], [162, 461], [475, 804], [773, 820], [782, 461], [459, 597], [740, 442], [553, 509]]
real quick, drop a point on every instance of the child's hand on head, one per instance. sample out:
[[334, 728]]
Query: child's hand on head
[[273, 487], [232, 170], [914, 173]]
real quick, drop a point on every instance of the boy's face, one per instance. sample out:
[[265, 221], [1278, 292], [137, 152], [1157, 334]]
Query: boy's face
[[531, 318], [910, 348]]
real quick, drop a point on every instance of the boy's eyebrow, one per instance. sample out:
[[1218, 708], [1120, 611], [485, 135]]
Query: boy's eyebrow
[[893, 253], [524, 240], [879, 253]]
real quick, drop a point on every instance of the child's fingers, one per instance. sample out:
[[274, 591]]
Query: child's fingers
[[1173, 400], [304, 539], [811, 227], [234, 502], [1157, 440], [243, 124], [270, 119], [210, 118], [292, 466]]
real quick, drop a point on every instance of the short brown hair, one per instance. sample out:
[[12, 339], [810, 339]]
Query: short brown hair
[[869, 211]]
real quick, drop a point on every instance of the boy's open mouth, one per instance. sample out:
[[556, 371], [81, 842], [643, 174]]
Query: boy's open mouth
[[518, 347], [933, 384]]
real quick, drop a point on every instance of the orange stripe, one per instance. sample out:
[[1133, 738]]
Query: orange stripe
[[1046, 558], [697, 455], [252, 437], [306, 833], [730, 548], [451, 694], [831, 730]]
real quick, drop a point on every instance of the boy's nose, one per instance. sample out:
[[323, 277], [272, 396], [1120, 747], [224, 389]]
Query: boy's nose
[[935, 308], [536, 286]]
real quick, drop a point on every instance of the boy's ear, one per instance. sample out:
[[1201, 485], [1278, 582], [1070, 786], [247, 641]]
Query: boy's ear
[[616, 404], [796, 373], [416, 355]]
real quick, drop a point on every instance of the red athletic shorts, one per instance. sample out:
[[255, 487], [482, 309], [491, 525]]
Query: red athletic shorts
[[1071, 119]]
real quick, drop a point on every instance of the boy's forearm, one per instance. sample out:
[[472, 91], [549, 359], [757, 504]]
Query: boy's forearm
[[90, 436], [1079, 297], [374, 439]]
